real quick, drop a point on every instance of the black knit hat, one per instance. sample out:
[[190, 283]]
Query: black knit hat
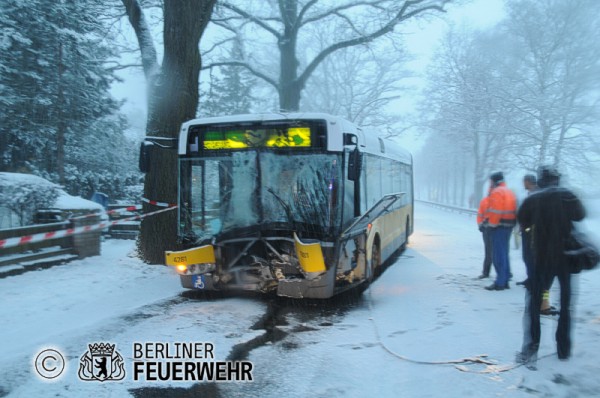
[[548, 176], [497, 177]]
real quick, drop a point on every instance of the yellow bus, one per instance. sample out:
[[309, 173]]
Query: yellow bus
[[303, 205]]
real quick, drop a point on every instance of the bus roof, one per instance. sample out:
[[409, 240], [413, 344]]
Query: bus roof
[[249, 117], [369, 142]]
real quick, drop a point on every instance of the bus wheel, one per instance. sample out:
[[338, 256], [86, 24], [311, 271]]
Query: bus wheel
[[406, 234], [375, 260]]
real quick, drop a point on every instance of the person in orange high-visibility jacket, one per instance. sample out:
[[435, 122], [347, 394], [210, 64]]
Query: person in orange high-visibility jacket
[[485, 230], [501, 215]]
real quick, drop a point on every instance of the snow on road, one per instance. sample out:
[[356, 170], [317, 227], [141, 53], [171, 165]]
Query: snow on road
[[426, 308]]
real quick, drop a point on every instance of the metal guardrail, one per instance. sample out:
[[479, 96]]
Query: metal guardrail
[[65, 242], [462, 210], [53, 249]]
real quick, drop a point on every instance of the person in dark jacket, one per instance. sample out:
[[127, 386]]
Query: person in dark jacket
[[530, 185], [549, 214]]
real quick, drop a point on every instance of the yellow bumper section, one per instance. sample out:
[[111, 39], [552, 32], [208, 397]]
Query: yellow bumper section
[[197, 255], [310, 256]]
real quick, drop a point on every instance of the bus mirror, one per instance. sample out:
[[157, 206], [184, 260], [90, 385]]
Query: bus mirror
[[354, 165], [144, 160], [350, 139], [146, 149]]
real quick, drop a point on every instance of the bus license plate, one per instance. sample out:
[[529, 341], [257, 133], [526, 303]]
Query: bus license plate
[[198, 281]]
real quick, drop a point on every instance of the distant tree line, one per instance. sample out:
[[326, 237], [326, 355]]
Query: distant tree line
[[516, 96]]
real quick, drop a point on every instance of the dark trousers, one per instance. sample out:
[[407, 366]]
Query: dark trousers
[[487, 245], [528, 256], [500, 243], [531, 318]]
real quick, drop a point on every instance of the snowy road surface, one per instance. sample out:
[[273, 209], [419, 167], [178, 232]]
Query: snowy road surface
[[427, 309]]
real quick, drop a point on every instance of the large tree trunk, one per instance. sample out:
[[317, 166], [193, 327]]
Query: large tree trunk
[[172, 99], [289, 86]]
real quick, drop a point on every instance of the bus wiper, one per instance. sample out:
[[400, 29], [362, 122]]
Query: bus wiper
[[286, 207]]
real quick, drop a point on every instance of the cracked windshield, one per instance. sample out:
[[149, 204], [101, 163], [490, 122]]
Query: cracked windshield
[[243, 189]]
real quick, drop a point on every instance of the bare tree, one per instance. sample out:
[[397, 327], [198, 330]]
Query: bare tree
[[554, 78], [172, 99], [461, 107], [360, 84], [356, 22], [533, 98]]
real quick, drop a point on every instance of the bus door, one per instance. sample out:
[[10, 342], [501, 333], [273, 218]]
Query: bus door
[[353, 242]]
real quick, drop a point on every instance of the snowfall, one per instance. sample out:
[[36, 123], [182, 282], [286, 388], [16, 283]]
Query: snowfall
[[418, 331]]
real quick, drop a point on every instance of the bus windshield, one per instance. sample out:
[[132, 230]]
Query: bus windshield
[[256, 189]]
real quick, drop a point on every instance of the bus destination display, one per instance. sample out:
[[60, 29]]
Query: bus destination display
[[269, 138]]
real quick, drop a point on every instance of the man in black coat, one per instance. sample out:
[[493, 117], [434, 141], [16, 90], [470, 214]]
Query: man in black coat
[[549, 214]]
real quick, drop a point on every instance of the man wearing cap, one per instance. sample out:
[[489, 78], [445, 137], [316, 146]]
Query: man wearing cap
[[550, 213], [501, 215]]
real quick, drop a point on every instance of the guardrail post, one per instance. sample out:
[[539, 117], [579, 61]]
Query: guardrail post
[[86, 244]]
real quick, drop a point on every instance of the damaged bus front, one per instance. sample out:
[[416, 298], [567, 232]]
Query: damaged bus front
[[262, 206]]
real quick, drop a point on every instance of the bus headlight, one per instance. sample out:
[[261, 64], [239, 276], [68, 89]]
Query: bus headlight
[[195, 269], [182, 269]]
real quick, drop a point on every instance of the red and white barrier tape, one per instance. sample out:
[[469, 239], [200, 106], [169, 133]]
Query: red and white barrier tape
[[21, 240], [120, 210], [129, 208], [159, 204]]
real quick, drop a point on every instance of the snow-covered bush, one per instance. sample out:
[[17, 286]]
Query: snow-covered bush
[[118, 186], [25, 194], [133, 193]]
